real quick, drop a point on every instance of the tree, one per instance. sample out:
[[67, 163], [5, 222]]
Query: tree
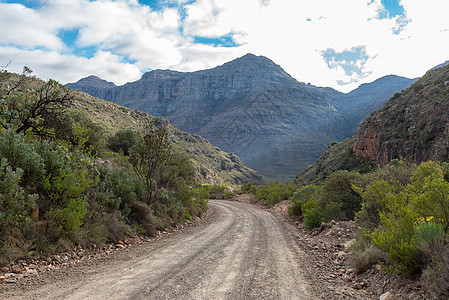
[[149, 157], [24, 108], [122, 140]]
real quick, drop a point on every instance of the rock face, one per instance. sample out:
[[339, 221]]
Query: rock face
[[413, 125], [250, 107]]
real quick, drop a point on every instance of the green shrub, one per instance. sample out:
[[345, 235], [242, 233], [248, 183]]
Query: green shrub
[[300, 197], [428, 232], [272, 193], [21, 154], [118, 190], [248, 188], [123, 140], [339, 198], [312, 215], [66, 195], [15, 204], [313, 218]]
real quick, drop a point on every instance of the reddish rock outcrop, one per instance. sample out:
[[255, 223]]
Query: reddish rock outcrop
[[366, 143]]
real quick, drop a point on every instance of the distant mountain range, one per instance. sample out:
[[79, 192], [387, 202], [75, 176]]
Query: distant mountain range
[[253, 108], [412, 126]]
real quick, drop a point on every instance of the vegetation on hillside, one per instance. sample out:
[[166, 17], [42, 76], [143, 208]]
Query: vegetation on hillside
[[60, 185], [211, 165], [402, 212]]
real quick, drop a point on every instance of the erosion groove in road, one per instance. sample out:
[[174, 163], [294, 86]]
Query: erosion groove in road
[[245, 253]]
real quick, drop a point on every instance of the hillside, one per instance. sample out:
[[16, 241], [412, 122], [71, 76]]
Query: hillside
[[251, 107], [413, 126], [211, 164]]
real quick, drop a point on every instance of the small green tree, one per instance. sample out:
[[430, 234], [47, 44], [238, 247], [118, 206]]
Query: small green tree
[[123, 140], [24, 107], [149, 158]]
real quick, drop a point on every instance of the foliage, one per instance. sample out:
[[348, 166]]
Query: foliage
[[149, 158], [54, 192], [15, 204], [20, 154], [338, 199], [123, 140], [300, 197], [248, 188], [118, 190], [24, 108], [313, 217], [403, 214], [66, 192], [274, 192]]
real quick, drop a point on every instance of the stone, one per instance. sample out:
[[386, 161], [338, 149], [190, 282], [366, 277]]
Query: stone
[[348, 278], [446, 83], [120, 242], [357, 286], [2, 279], [11, 280], [16, 269], [5, 270], [386, 296]]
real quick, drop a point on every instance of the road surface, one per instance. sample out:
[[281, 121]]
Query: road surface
[[243, 253]]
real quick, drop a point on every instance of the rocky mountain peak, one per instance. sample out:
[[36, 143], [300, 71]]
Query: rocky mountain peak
[[161, 75], [95, 81], [254, 65]]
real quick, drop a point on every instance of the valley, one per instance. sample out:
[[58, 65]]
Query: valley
[[251, 107]]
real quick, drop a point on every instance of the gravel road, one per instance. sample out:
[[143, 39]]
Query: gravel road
[[243, 253]]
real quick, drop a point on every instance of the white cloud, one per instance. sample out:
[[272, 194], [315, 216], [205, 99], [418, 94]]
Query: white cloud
[[69, 68], [279, 29]]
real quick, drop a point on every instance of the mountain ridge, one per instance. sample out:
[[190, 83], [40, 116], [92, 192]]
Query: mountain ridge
[[249, 106]]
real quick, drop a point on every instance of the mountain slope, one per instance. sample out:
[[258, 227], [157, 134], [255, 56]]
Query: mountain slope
[[249, 106], [211, 164], [412, 126]]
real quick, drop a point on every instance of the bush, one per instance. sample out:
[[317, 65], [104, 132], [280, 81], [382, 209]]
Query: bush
[[400, 208], [15, 204], [66, 195], [248, 188], [428, 232], [435, 277], [118, 190], [300, 197], [338, 198], [272, 193], [312, 215], [21, 154], [363, 260], [123, 140]]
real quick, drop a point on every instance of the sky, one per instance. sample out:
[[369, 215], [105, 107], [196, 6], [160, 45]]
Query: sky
[[336, 43]]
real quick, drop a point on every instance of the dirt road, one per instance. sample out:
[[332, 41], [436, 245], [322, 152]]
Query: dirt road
[[244, 253]]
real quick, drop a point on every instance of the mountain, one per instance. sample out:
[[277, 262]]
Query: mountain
[[212, 165], [251, 107], [413, 126]]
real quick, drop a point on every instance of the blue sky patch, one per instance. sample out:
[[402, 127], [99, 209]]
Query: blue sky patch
[[352, 61], [87, 52], [393, 9], [159, 5], [69, 37], [27, 3], [221, 41]]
